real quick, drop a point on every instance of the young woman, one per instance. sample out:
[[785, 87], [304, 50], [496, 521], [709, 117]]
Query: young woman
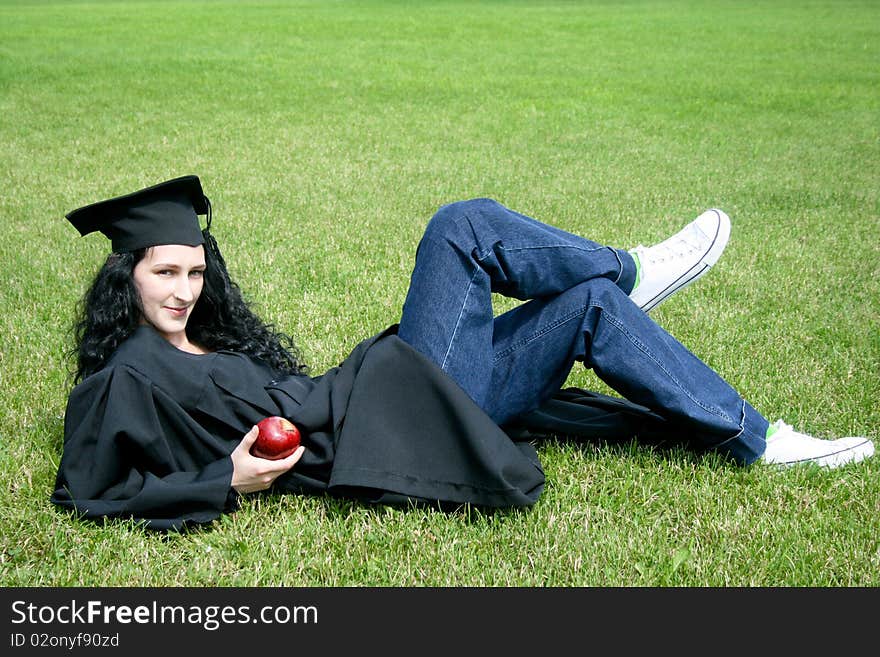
[[174, 369]]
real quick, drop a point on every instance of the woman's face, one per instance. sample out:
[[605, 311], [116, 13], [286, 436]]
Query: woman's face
[[169, 280]]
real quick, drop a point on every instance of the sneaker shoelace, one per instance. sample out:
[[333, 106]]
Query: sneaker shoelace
[[678, 246]]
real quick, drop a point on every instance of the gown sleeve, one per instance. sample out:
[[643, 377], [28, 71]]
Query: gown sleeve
[[130, 451]]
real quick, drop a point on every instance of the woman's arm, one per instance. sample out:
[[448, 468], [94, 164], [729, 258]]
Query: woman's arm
[[131, 451]]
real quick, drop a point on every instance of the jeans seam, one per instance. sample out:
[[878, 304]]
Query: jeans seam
[[534, 336], [644, 349], [620, 265], [544, 246], [742, 426], [458, 319]]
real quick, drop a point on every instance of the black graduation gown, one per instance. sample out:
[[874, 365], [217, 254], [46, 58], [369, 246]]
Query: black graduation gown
[[149, 436]]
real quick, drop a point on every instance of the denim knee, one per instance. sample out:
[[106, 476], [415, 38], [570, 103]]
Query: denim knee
[[606, 294], [446, 224]]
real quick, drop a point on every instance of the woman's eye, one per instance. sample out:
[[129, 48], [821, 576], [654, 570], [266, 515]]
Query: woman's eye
[[198, 273]]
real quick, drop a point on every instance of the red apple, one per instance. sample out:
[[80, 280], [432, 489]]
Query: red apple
[[278, 438]]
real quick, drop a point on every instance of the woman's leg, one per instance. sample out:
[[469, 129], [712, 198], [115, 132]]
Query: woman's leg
[[474, 248], [537, 343]]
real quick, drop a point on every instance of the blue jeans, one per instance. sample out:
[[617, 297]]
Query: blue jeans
[[577, 309]]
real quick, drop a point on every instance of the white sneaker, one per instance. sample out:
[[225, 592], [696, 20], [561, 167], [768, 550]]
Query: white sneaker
[[788, 447], [678, 261]]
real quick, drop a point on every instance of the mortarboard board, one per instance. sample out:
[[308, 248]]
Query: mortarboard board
[[166, 213]]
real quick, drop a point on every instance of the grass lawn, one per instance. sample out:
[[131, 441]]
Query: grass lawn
[[327, 133]]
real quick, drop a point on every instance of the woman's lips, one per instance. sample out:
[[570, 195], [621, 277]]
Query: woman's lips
[[177, 312]]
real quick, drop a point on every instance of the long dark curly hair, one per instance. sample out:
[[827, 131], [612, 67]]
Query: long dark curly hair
[[110, 311]]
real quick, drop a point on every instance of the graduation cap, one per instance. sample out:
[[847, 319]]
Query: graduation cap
[[167, 213]]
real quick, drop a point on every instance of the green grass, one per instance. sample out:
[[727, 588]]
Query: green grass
[[327, 133]]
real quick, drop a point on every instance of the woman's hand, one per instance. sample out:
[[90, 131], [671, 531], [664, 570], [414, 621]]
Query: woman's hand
[[251, 473]]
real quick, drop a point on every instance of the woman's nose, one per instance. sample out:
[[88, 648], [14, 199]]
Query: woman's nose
[[183, 289]]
